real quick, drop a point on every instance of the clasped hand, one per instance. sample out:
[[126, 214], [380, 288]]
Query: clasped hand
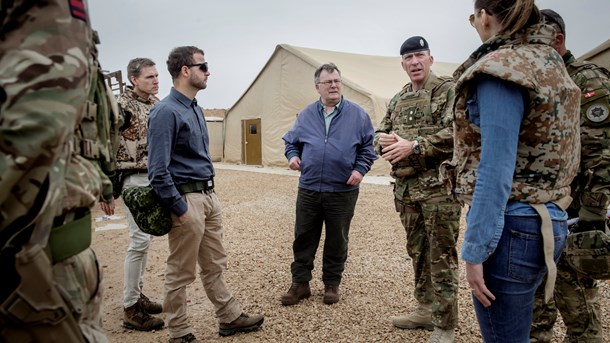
[[395, 148]]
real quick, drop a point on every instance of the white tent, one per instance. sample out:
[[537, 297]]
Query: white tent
[[599, 55], [254, 126]]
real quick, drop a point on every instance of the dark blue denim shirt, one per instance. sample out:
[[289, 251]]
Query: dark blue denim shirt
[[178, 148], [497, 107]]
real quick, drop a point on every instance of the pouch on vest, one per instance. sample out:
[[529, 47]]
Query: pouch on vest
[[588, 253]]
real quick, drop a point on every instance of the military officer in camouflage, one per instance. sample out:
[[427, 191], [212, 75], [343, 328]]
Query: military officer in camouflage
[[52, 163], [132, 165], [577, 295], [415, 136]]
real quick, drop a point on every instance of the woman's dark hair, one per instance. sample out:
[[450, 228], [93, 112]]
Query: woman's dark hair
[[514, 15]]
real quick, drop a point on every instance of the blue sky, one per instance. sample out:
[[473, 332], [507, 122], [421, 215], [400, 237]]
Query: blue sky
[[239, 36]]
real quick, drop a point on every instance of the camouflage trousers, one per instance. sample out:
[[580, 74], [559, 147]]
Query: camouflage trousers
[[81, 277], [577, 298], [432, 228]]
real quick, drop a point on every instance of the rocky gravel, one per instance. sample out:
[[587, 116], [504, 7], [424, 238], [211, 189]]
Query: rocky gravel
[[258, 215]]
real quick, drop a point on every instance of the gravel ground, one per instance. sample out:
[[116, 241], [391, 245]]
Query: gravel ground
[[258, 211]]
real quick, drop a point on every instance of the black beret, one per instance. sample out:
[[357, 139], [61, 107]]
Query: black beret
[[413, 44], [553, 17]]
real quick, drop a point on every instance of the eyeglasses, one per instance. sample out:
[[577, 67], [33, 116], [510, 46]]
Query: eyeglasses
[[471, 20], [330, 82], [203, 66], [471, 17]]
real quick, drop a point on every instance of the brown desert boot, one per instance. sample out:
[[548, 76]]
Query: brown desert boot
[[243, 323], [150, 306], [296, 292], [136, 318], [421, 318], [331, 294]]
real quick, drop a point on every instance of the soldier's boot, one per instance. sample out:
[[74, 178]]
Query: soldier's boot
[[442, 336], [421, 318], [244, 323], [150, 306], [296, 292], [135, 317]]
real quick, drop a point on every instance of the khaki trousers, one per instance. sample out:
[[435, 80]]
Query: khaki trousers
[[199, 240]]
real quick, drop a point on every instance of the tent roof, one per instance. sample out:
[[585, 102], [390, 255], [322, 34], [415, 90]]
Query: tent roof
[[373, 75]]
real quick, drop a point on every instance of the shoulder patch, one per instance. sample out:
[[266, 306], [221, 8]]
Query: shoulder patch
[[598, 113], [77, 9]]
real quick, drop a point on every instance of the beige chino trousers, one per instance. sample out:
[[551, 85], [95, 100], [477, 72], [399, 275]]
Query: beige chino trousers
[[198, 240]]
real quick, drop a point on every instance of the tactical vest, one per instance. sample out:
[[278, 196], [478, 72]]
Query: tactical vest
[[417, 115], [133, 148], [548, 149], [420, 116], [88, 169], [95, 144]]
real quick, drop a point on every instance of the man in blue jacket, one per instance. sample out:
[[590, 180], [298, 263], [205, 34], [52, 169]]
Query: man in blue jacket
[[331, 143]]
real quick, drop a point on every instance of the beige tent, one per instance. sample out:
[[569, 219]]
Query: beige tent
[[600, 55], [215, 130], [254, 126]]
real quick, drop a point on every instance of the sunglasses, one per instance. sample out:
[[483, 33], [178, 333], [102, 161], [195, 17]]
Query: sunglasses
[[203, 66]]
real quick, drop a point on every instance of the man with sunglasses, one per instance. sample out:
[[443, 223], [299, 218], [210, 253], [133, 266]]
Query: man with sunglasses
[[181, 172], [415, 136], [331, 143]]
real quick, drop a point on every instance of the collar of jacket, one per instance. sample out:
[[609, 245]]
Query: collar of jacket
[[535, 34]]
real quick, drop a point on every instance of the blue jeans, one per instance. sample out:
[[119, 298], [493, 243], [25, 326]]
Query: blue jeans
[[512, 273]]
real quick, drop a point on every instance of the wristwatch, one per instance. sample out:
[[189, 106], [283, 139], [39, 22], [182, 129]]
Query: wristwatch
[[416, 148]]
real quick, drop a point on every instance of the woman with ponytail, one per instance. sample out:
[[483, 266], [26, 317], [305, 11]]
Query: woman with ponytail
[[516, 152]]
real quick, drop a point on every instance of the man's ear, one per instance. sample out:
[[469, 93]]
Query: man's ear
[[560, 39]]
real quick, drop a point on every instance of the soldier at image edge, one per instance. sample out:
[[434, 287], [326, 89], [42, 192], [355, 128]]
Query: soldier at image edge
[[577, 294], [57, 132]]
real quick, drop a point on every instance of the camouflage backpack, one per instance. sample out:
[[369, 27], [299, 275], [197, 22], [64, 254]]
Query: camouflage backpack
[[147, 210]]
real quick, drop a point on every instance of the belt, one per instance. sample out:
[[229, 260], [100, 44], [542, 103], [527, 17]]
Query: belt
[[196, 186], [67, 240]]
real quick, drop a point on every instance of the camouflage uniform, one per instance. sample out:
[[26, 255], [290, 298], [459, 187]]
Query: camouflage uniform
[[133, 149], [90, 163], [576, 295], [46, 72], [429, 216], [132, 162]]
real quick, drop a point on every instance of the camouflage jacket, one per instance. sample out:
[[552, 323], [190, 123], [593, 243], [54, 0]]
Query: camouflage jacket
[[548, 149], [44, 72], [92, 160], [425, 116], [133, 150], [594, 83]]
